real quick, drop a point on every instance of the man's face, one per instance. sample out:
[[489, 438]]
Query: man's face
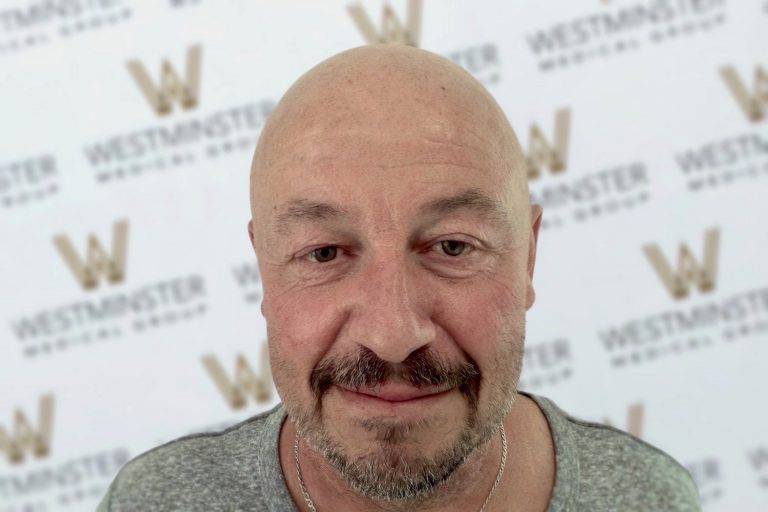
[[396, 274]]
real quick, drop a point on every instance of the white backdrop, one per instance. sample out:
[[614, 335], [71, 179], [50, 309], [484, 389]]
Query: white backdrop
[[659, 151]]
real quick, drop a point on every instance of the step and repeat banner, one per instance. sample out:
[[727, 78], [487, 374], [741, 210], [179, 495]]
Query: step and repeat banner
[[129, 292]]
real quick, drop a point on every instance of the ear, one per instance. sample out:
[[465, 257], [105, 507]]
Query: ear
[[252, 236], [536, 212], [250, 233]]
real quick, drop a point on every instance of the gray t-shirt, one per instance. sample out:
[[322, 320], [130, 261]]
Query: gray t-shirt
[[599, 468]]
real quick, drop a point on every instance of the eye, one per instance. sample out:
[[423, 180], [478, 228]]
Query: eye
[[454, 247], [322, 254]]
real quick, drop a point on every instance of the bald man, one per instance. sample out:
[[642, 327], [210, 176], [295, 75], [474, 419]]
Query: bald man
[[396, 244]]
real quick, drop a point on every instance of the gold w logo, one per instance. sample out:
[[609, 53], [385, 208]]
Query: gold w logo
[[246, 383], [171, 86], [635, 415], [543, 154], [689, 270], [97, 260], [755, 103], [392, 29], [24, 437]]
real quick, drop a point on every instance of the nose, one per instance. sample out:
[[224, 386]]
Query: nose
[[391, 314]]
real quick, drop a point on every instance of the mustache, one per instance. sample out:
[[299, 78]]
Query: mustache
[[422, 368]]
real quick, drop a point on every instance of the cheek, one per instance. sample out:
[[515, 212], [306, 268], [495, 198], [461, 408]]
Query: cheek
[[301, 327], [492, 300], [485, 317]]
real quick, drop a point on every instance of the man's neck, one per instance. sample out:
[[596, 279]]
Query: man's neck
[[526, 484]]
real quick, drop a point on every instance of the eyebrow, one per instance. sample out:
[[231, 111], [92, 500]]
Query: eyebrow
[[304, 210], [471, 199]]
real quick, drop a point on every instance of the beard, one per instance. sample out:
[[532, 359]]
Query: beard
[[391, 471]]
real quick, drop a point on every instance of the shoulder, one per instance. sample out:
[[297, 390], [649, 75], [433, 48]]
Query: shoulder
[[618, 471], [201, 471], [613, 460]]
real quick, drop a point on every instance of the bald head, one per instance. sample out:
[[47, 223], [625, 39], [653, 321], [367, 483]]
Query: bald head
[[378, 90]]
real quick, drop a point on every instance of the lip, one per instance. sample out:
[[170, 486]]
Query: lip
[[396, 393]]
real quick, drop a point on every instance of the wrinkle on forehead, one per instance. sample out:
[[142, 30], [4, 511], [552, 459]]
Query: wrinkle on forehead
[[385, 93]]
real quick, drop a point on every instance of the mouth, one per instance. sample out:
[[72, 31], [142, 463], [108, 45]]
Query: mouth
[[393, 394]]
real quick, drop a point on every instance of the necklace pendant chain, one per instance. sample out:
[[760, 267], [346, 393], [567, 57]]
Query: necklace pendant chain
[[311, 505], [304, 490]]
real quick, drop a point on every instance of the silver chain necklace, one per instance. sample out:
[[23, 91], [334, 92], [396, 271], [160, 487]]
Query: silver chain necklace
[[311, 504]]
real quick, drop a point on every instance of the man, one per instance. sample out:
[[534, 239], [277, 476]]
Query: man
[[396, 243]]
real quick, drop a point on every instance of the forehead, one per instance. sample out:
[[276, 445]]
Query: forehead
[[366, 175], [382, 153]]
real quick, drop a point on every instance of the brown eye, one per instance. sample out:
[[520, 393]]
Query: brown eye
[[454, 247], [323, 254]]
